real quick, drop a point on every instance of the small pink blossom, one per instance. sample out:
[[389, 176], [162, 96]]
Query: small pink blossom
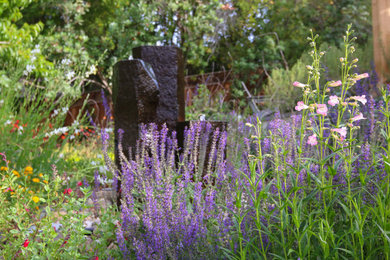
[[322, 109], [312, 140], [298, 84], [342, 131], [361, 76], [361, 99], [333, 100], [357, 118], [335, 84], [300, 106]]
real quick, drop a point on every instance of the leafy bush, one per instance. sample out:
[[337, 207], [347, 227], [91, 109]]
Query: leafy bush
[[279, 89]]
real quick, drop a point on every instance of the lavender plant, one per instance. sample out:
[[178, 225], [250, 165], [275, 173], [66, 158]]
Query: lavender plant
[[170, 195]]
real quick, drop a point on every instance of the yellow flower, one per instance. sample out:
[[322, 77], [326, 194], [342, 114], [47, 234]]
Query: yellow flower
[[31, 192], [28, 170], [16, 173], [35, 179], [35, 199], [12, 193], [40, 175], [45, 181], [3, 168]]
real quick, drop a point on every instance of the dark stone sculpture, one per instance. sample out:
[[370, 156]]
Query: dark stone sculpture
[[135, 97], [168, 66]]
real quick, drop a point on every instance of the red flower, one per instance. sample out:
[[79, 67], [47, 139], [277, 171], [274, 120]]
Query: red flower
[[79, 184], [68, 191], [26, 242]]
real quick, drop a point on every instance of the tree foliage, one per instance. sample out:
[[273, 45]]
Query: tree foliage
[[237, 34]]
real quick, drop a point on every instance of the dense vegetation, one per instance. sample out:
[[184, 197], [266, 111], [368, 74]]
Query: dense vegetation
[[310, 184]]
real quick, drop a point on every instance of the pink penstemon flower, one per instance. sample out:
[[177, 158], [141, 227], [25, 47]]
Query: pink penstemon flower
[[361, 99], [298, 84], [312, 140], [333, 100], [335, 83], [357, 117], [361, 76], [322, 109], [300, 106], [341, 131]]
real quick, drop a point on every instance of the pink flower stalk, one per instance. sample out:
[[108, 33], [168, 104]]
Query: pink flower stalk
[[312, 140], [361, 76], [342, 131], [361, 99], [335, 84], [322, 109], [357, 118], [298, 84], [300, 106], [333, 100]]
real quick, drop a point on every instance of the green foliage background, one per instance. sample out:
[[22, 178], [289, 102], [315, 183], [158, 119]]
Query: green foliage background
[[240, 35]]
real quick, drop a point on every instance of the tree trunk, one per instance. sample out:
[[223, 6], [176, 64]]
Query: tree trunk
[[381, 38]]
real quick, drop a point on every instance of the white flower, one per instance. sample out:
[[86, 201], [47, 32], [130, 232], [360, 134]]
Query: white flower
[[8, 122], [66, 61], [75, 123], [1, 102], [36, 49], [70, 74], [29, 69], [55, 112]]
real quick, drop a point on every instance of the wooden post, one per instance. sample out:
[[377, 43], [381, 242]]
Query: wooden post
[[381, 38]]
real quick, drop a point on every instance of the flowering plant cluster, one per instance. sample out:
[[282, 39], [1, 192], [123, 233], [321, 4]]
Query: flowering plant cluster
[[46, 220], [313, 185]]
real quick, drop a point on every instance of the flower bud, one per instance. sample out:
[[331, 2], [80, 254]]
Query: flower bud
[[341, 59], [309, 67], [355, 60]]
